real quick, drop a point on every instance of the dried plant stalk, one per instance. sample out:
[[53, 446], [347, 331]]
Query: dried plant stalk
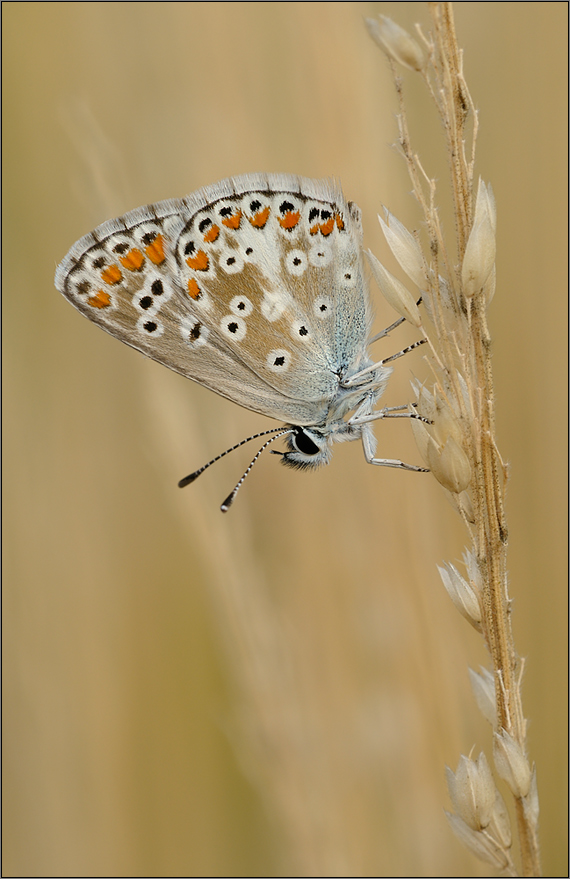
[[459, 446]]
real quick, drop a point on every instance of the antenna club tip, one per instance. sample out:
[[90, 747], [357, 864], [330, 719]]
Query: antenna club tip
[[188, 479], [228, 502]]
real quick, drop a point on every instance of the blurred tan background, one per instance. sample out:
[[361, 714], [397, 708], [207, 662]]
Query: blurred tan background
[[275, 691]]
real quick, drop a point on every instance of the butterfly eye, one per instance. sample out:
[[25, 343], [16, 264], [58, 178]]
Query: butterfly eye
[[303, 443]]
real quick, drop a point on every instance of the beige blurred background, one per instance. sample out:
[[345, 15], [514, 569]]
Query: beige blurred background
[[275, 691]]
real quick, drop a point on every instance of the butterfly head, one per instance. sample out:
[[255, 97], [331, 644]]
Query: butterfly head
[[311, 447], [308, 448]]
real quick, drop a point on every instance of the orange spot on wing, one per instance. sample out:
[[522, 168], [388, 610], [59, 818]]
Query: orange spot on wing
[[211, 234], [233, 221], [100, 300], [260, 218], [193, 289], [290, 220], [155, 250], [326, 228], [200, 262], [133, 261], [112, 274], [314, 229], [339, 222]]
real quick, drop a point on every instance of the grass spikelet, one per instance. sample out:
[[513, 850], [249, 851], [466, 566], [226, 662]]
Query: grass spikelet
[[459, 445]]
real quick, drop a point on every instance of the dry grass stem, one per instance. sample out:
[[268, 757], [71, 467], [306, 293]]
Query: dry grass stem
[[460, 446]]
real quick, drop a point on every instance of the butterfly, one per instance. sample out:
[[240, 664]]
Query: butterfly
[[255, 288]]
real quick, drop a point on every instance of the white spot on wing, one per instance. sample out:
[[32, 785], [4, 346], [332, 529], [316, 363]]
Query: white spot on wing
[[241, 306], [278, 360], [320, 254], [233, 327], [150, 327], [273, 306], [296, 262]]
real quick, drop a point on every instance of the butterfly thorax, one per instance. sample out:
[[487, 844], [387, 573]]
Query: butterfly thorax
[[311, 446]]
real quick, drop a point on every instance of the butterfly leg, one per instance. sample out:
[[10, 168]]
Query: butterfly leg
[[361, 417], [393, 326], [369, 446], [375, 367]]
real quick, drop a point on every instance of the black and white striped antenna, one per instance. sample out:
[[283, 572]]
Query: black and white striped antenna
[[230, 498], [278, 431]]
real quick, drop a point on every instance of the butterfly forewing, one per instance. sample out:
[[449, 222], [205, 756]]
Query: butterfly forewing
[[253, 287]]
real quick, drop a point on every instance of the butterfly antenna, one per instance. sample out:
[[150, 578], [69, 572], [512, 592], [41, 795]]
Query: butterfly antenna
[[230, 498], [192, 476]]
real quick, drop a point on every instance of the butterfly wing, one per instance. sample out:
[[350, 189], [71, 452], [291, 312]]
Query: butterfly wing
[[253, 287]]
